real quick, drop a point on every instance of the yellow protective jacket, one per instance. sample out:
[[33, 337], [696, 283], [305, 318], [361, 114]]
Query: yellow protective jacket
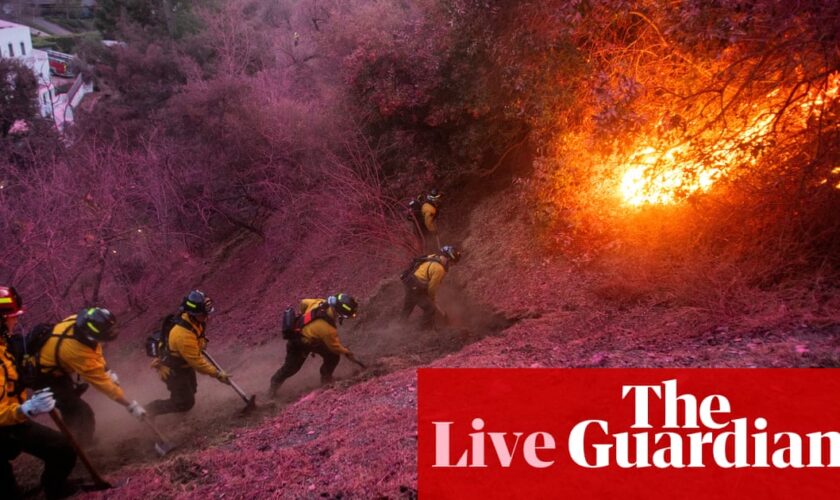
[[430, 273], [10, 413], [320, 330], [429, 215], [75, 357], [186, 345]]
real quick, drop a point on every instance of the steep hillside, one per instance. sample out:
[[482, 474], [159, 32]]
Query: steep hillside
[[513, 305], [646, 187]]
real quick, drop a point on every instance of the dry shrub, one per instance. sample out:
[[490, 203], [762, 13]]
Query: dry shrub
[[734, 260], [751, 91], [354, 205]]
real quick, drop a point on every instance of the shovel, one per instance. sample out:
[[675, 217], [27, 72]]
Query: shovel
[[250, 402], [98, 482], [162, 446]]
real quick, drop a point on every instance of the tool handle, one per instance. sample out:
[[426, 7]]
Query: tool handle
[[97, 479], [155, 430], [356, 361], [232, 383], [238, 390], [211, 360]]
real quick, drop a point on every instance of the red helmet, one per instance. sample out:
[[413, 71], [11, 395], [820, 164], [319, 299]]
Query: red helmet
[[10, 302]]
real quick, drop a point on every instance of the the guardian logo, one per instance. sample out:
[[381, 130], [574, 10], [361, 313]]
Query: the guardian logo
[[692, 435]]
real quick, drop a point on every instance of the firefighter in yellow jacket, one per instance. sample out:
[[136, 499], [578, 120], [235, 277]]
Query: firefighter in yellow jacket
[[423, 280], [316, 332], [71, 360], [18, 432], [426, 221], [182, 356]]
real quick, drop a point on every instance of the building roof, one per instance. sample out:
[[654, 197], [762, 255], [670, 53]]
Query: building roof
[[9, 24]]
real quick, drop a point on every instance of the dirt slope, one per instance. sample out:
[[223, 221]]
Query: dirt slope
[[512, 306]]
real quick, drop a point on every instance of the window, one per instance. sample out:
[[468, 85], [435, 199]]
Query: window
[[22, 49], [11, 51]]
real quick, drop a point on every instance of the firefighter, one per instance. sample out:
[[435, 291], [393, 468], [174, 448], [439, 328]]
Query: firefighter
[[422, 281], [316, 332], [426, 220], [184, 344], [74, 350], [18, 432]]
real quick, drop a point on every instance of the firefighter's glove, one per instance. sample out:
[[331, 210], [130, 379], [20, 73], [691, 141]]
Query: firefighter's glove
[[114, 377], [41, 402], [136, 410], [223, 377]]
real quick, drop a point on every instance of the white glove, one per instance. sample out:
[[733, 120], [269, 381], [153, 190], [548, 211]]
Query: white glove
[[136, 410], [42, 401], [114, 377]]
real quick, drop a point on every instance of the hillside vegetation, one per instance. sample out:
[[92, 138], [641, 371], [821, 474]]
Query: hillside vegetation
[[632, 184]]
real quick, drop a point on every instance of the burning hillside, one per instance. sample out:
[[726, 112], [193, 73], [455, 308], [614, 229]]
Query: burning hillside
[[667, 173], [588, 185]]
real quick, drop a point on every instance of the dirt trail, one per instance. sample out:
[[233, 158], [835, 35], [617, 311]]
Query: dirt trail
[[378, 338]]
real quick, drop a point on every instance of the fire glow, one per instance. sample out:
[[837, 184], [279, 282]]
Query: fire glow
[[666, 175]]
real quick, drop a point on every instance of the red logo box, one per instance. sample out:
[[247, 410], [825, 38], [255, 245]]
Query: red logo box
[[636, 433]]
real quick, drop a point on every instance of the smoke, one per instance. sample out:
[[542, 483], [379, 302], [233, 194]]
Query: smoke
[[217, 405], [380, 333], [379, 338]]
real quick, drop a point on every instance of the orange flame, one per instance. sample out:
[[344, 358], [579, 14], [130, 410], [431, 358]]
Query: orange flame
[[666, 175]]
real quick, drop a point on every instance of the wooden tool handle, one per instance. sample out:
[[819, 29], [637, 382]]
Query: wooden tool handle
[[97, 479]]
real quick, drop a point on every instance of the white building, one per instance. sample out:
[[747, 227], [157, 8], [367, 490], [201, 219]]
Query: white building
[[16, 42]]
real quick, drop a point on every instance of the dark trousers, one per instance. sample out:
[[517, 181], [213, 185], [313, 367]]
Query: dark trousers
[[296, 352], [43, 443], [76, 413], [419, 298], [182, 386], [427, 242]]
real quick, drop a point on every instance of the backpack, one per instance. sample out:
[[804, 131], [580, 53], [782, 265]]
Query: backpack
[[415, 210], [410, 280], [293, 322], [157, 344], [26, 350]]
